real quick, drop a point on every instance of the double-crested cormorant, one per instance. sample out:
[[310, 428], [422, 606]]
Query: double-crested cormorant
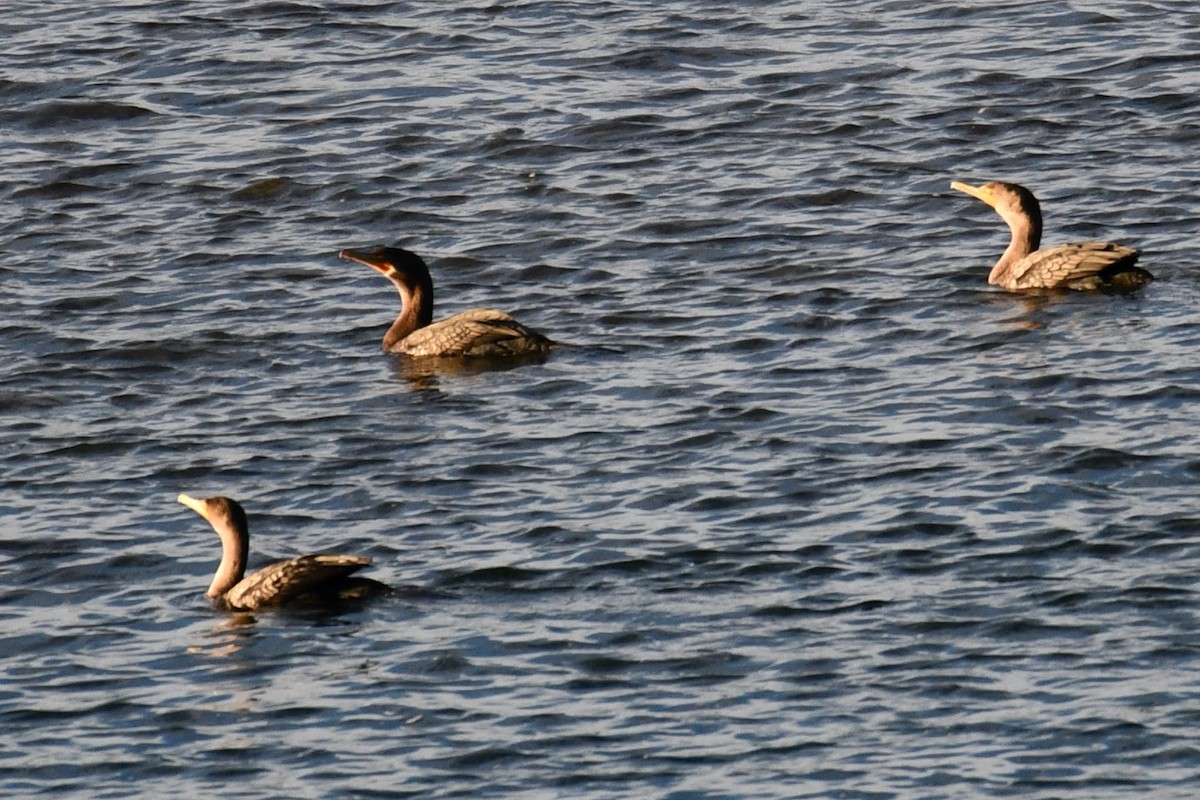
[[477, 332], [306, 580], [1084, 265]]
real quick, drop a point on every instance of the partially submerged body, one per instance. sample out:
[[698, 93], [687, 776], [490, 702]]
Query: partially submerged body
[[477, 332], [303, 581], [1084, 265]]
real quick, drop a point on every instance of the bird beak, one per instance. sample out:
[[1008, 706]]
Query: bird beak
[[362, 258], [975, 191], [199, 506]]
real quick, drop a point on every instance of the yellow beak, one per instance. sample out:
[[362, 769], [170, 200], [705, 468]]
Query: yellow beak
[[199, 506], [979, 192]]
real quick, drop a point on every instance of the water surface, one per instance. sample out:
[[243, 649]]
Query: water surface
[[806, 510]]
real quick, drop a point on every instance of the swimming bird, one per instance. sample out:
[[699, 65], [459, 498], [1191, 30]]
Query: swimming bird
[[477, 332], [303, 581], [1082, 265]]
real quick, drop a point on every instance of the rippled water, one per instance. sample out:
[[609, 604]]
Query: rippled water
[[806, 510]]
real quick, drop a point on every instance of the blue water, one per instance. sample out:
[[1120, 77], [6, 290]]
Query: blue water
[[806, 509]]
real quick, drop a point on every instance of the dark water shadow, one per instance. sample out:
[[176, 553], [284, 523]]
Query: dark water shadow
[[426, 373]]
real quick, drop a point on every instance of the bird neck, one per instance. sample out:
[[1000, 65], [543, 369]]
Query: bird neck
[[235, 547], [416, 311], [1025, 239]]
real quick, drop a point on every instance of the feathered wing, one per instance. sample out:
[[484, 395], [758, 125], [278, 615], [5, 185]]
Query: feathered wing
[[480, 331], [1082, 265], [284, 580]]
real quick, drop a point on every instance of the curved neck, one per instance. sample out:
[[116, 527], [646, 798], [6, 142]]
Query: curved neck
[[1026, 236], [235, 547], [416, 310]]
